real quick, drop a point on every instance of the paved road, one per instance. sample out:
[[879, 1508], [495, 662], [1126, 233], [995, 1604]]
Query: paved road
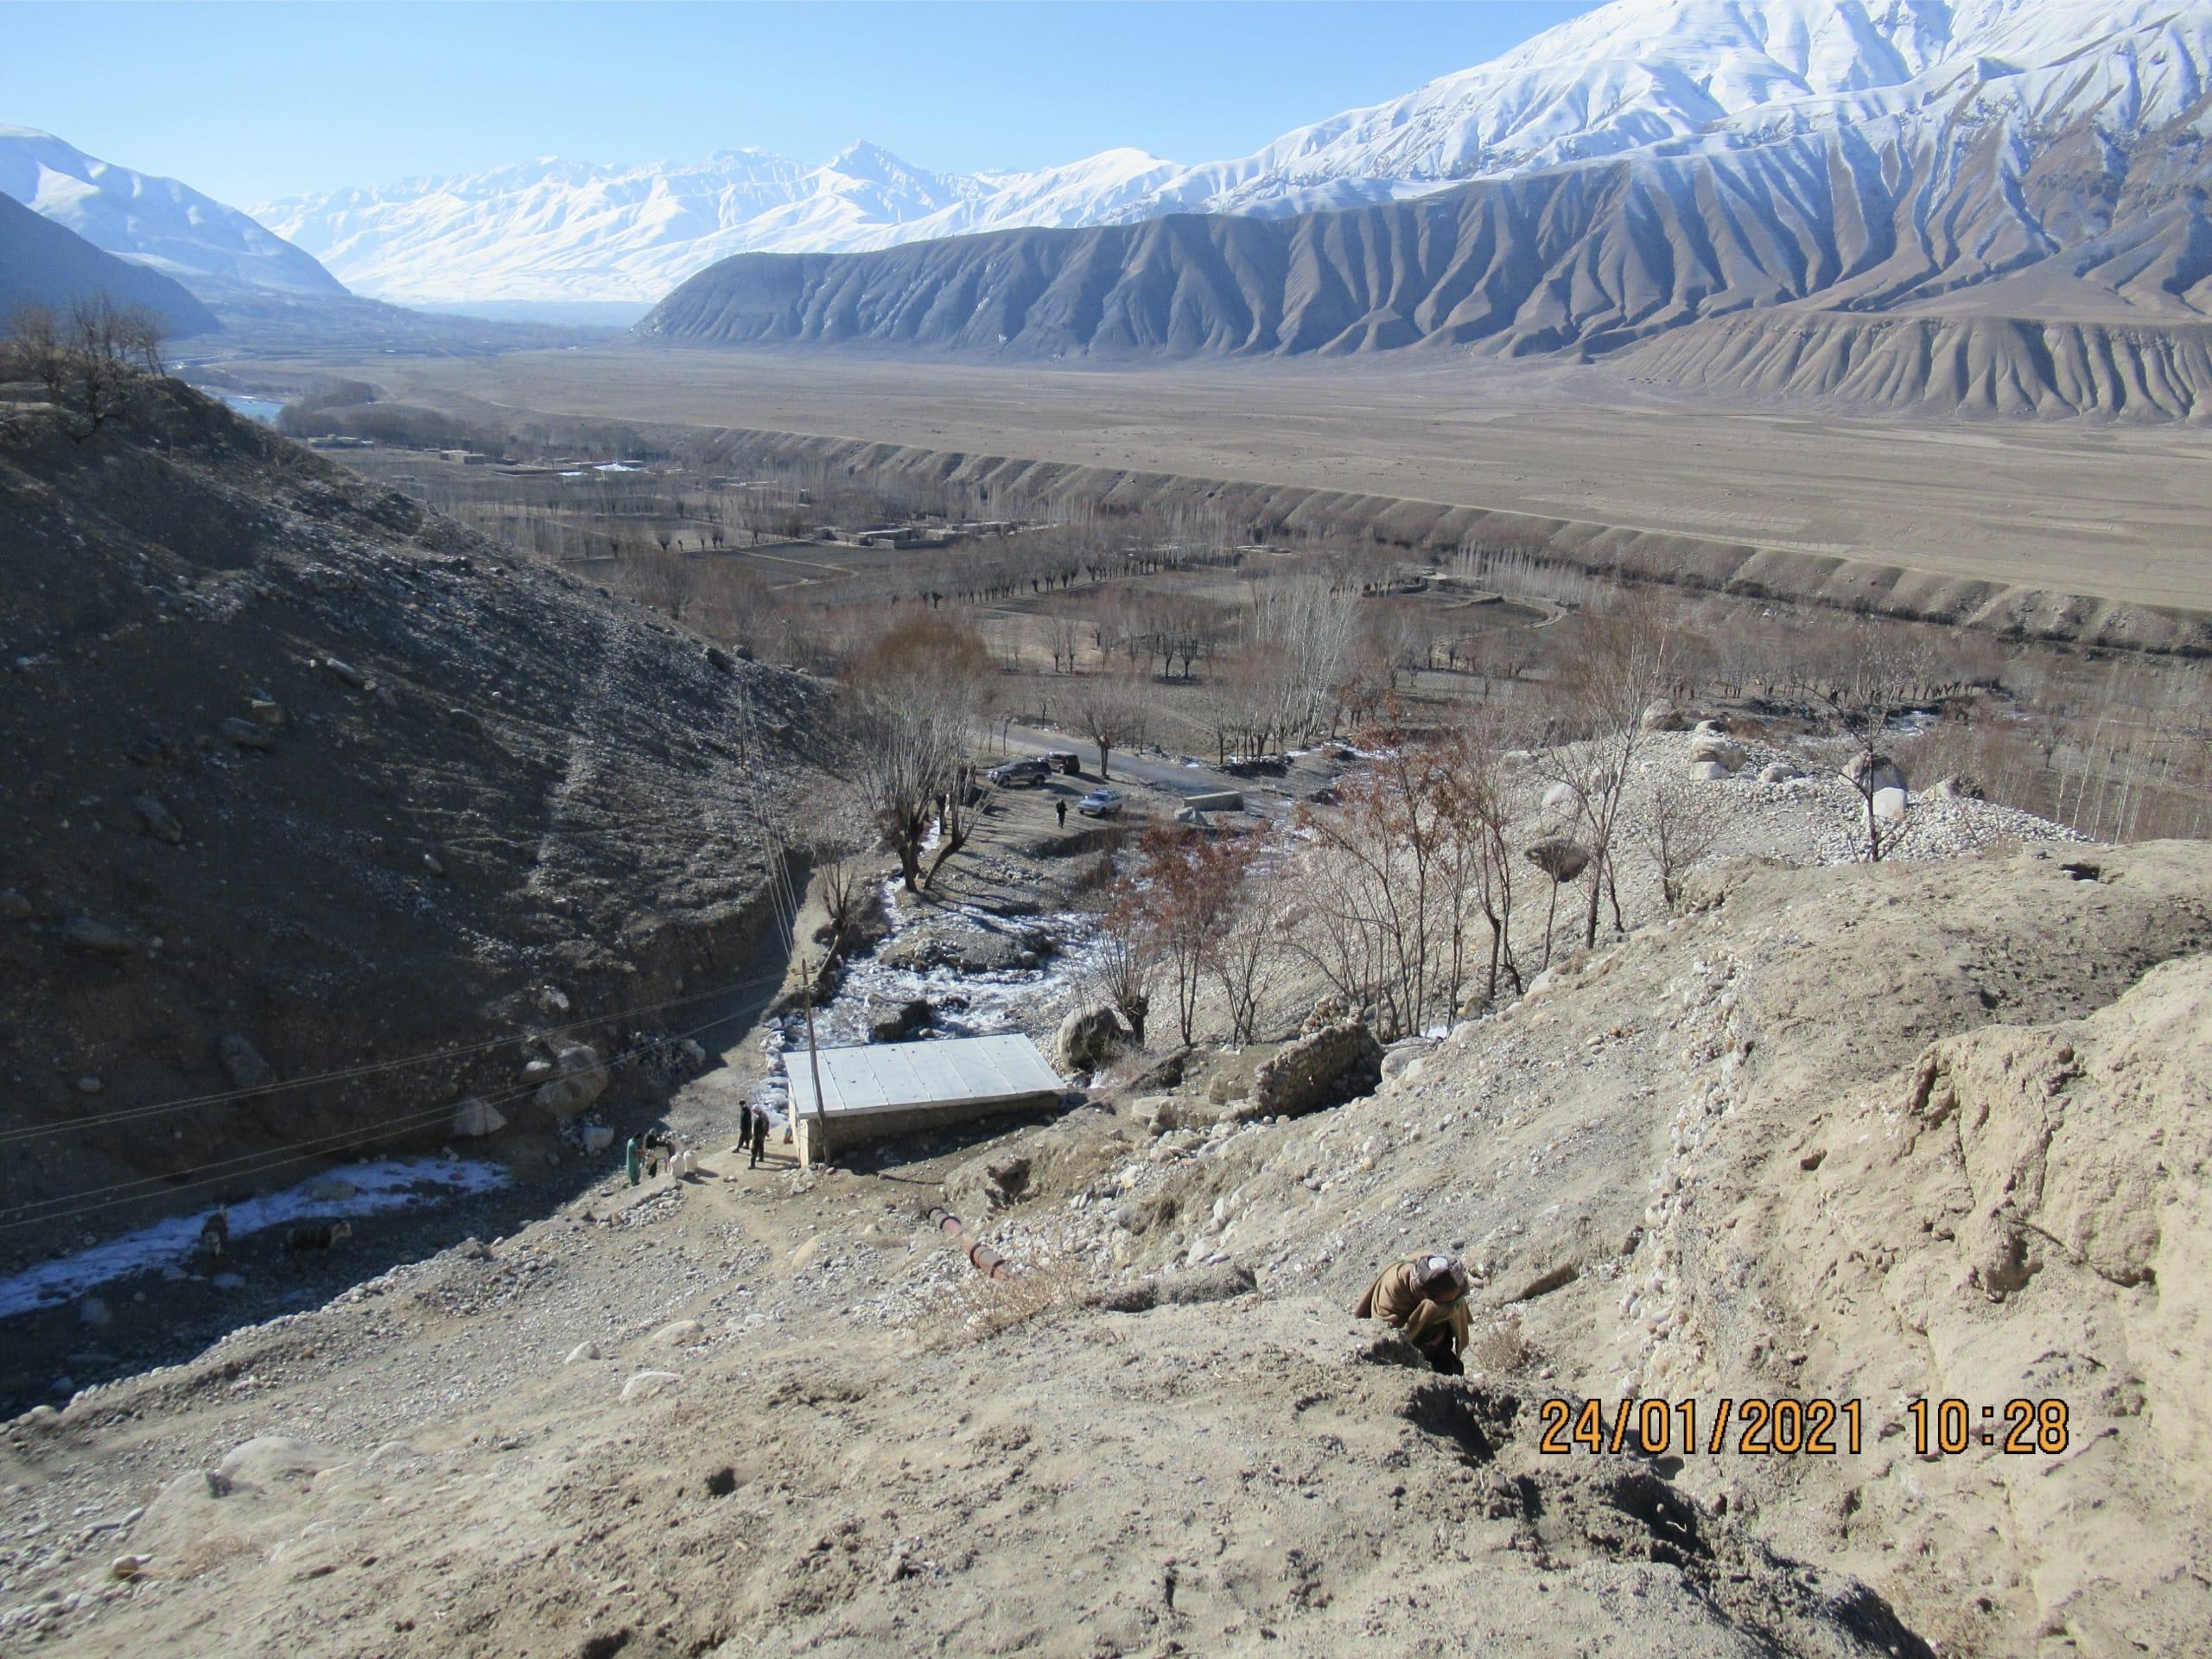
[[1142, 766]]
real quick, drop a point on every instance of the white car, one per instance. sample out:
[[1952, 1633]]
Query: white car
[[1100, 803]]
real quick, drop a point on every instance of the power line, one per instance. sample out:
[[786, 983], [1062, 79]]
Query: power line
[[133, 1113], [259, 1163]]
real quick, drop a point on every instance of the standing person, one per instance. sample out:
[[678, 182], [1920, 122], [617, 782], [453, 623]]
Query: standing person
[[1061, 806], [760, 1135], [1426, 1299], [632, 1165]]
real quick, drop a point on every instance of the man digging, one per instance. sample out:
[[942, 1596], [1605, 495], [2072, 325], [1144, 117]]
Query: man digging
[[1426, 1297]]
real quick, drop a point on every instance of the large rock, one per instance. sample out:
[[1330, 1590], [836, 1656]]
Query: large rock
[[1779, 772], [1718, 751], [1890, 803], [1559, 798], [473, 1118], [1662, 716], [1708, 772], [98, 937], [1338, 1063], [901, 1022], [582, 1080], [244, 1064], [1088, 1039], [157, 820], [598, 1137], [1874, 771], [1559, 858], [246, 735]]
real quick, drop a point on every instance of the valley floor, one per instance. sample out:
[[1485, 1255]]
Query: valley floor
[[2108, 511]]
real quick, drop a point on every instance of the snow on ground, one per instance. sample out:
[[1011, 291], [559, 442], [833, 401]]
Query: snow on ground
[[350, 1190]]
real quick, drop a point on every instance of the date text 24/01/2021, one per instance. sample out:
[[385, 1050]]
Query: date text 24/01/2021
[[1792, 1428]]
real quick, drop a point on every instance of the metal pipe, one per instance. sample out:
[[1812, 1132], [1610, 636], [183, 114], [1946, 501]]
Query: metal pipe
[[980, 1256]]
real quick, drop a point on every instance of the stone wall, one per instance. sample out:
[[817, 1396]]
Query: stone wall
[[1338, 1063]]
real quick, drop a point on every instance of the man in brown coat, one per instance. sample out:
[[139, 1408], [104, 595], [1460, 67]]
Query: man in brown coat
[[1426, 1297]]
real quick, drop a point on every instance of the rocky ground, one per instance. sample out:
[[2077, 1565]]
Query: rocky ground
[[1850, 1132]]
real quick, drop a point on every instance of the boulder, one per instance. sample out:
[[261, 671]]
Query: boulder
[[1338, 1063], [1890, 803], [901, 1022], [1559, 858], [1708, 772], [583, 1079], [157, 821], [1559, 798], [473, 1118], [269, 1460], [1662, 716], [646, 1385], [1779, 772], [1956, 789], [677, 1333], [243, 1062], [346, 672], [719, 660], [1400, 1056], [1874, 771], [98, 937], [1088, 1039], [246, 735], [464, 720], [581, 1352], [598, 1138], [1718, 751], [266, 715]]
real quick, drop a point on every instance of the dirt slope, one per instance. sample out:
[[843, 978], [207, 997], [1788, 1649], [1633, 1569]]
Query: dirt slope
[[297, 765], [1847, 1133]]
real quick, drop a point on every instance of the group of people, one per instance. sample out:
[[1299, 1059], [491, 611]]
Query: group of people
[[643, 1155]]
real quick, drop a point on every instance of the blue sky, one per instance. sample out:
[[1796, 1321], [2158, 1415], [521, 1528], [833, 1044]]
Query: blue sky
[[250, 102]]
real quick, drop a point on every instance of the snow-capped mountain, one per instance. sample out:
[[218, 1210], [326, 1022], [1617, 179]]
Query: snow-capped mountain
[[1666, 77], [151, 221], [560, 232], [1654, 79]]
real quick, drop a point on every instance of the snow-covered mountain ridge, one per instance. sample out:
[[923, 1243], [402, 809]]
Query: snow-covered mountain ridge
[[1634, 79], [151, 221]]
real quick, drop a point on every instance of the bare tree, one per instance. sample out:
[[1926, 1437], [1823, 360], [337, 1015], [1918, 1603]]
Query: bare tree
[[1679, 828], [668, 581], [1246, 942], [1871, 676], [917, 692], [1625, 658], [87, 361], [1110, 710]]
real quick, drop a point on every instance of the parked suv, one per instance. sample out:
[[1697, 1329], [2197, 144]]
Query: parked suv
[[1065, 761], [1015, 774]]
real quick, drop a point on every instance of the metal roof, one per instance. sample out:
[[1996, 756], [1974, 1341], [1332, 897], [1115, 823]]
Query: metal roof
[[893, 1077]]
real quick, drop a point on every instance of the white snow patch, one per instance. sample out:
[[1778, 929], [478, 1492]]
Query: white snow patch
[[385, 1183]]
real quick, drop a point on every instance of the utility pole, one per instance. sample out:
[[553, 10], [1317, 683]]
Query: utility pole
[[814, 1061]]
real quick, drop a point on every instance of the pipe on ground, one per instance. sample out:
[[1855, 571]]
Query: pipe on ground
[[985, 1259]]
